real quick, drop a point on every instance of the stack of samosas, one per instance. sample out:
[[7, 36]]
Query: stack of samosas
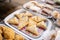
[[7, 33]]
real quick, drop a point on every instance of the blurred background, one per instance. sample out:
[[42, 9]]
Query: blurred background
[[8, 6]]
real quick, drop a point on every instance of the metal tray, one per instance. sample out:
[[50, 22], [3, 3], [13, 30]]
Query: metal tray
[[38, 10], [49, 24]]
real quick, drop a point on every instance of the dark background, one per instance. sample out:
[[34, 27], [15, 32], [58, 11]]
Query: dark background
[[4, 9], [8, 6]]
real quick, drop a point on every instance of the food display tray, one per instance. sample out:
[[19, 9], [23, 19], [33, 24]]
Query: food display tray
[[48, 23], [37, 11]]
